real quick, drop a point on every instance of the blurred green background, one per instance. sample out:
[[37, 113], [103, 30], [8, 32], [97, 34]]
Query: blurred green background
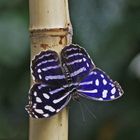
[[110, 31]]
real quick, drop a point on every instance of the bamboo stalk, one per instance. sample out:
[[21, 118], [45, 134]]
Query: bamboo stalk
[[50, 28]]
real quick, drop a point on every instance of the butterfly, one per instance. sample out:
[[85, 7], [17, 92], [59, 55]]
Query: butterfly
[[58, 79]]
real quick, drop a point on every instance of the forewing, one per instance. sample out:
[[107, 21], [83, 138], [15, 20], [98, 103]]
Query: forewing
[[98, 86], [46, 68], [46, 101], [77, 61]]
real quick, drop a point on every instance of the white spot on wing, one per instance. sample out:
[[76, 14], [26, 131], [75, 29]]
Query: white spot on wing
[[104, 82], [41, 86], [40, 111], [104, 93], [39, 70], [46, 61], [75, 61], [46, 115], [34, 105], [102, 75], [51, 67], [38, 100], [87, 64], [68, 50], [84, 59], [50, 108], [78, 71], [60, 99], [113, 90], [88, 91], [86, 83], [94, 73], [97, 82], [44, 55], [35, 93], [36, 116], [75, 54], [56, 90], [120, 93], [111, 84], [100, 99], [54, 77], [40, 77], [112, 97], [57, 110], [46, 95]]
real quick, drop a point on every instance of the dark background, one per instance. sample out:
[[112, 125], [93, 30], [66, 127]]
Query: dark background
[[110, 31]]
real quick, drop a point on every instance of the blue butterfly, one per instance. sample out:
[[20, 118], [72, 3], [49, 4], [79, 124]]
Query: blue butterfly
[[57, 79]]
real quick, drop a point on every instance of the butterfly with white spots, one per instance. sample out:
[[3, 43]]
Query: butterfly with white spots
[[57, 79]]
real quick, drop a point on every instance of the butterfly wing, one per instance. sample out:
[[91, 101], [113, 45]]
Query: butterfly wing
[[45, 101], [77, 61], [98, 86], [46, 68]]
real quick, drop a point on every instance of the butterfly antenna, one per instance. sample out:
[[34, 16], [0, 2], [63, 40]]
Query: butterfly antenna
[[90, 112], [83, 116]]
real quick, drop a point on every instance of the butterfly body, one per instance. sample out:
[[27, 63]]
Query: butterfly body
[[59, 81]]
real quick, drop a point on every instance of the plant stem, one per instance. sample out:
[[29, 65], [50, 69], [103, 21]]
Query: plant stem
[[50, 28]]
